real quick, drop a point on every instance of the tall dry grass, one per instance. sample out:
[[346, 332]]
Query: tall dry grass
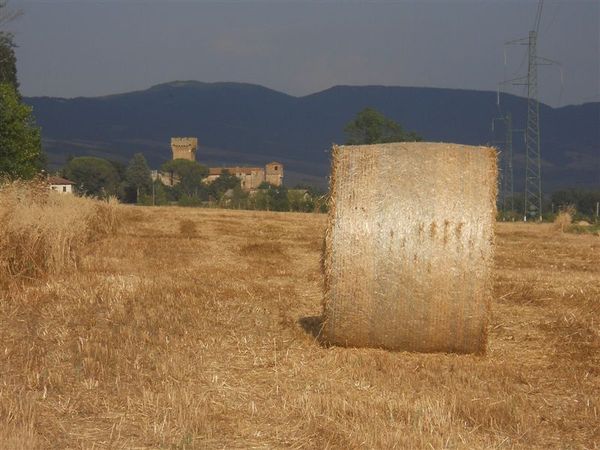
[[564, 218], [43, 232]]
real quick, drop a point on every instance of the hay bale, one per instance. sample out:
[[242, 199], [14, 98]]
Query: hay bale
[[409, 247]]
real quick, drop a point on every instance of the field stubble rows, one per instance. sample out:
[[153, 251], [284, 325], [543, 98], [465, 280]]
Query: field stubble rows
[[193, 328]]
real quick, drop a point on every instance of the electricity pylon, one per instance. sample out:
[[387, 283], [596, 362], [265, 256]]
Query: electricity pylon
[[507, 180], [533, 161], [533, 165]]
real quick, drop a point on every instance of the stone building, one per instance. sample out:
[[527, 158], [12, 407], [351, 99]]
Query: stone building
[[274, 173], [250, 177], [184, 148], [166, 178]]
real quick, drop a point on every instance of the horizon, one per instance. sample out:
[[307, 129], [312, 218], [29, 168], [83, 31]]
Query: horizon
[[242, 83]]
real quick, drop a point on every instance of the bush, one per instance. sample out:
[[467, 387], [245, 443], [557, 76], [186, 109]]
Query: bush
[[564, 219], [44, 232]]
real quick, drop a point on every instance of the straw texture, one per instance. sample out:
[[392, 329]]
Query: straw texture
[[409, 247]]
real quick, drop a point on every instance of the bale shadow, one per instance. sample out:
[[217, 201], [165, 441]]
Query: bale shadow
[[313, 325]]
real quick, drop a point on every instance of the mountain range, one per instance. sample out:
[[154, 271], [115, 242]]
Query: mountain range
[[245, 124]]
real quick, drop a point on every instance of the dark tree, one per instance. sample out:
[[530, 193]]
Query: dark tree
[[222, 184], [272, 198], [189, 175], [372, 127], [93, 176], [138, 179]]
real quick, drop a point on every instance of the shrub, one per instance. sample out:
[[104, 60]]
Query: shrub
[[564, 218]]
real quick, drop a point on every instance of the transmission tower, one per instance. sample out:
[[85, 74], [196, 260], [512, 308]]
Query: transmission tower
[[533, 169], [509, 187], [533, 161], [506, 180]]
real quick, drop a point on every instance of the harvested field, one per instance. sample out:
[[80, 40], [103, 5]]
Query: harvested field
[[202, 337]]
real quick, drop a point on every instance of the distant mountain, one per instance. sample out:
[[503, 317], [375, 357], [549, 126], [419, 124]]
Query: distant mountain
[[249, 124]]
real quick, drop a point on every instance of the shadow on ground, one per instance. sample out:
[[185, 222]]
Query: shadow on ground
[[313, 325]]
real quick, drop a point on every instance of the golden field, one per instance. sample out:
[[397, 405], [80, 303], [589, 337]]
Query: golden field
[[193, 328]]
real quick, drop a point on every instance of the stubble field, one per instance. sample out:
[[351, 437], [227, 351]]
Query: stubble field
[[194, 328]]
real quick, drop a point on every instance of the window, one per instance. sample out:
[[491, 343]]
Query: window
[[64, 189], [275, 167]]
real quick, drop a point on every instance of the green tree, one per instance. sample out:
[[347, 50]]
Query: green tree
[[93, 176], [20, 141], [271, 198], [137, 176], [157, 196], [222, 184], [189, 175], [372, 127], [8, 61], [239, 198]]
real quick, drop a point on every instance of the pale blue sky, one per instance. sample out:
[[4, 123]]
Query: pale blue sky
[[89, 48]]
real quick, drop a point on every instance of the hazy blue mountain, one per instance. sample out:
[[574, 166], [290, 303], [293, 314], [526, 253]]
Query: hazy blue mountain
[[249, 124]]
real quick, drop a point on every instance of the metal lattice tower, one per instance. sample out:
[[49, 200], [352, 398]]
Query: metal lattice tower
[[506, 184], [533, 170], [509, 187], [533, 175]]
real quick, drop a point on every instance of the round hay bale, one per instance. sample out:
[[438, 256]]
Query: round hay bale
[[409, 247]]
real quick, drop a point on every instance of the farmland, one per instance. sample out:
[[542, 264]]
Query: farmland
[[195, 328]]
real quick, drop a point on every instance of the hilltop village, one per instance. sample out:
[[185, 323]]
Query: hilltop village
[[250, 177]]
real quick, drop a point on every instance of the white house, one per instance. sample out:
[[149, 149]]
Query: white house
[[61, 185]]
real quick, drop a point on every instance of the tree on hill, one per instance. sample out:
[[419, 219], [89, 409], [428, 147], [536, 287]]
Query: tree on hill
[[138, 180], [372, 127], [93, 176], [20, 140]]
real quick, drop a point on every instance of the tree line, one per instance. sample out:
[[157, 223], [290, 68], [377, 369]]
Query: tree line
[[133, 183], [586, 203]]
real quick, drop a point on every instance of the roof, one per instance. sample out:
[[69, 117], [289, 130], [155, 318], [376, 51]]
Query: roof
[[273, 163], [59, 180], [234, 170]]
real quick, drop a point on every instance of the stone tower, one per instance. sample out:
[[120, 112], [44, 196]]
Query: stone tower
[[274, 173], [184, 148]]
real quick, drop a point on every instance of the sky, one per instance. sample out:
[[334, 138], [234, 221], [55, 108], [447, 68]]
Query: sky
[[91, 48]]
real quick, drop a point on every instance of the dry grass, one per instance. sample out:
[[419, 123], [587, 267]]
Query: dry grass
[[187, 227], [161, 341], [44, 232]]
